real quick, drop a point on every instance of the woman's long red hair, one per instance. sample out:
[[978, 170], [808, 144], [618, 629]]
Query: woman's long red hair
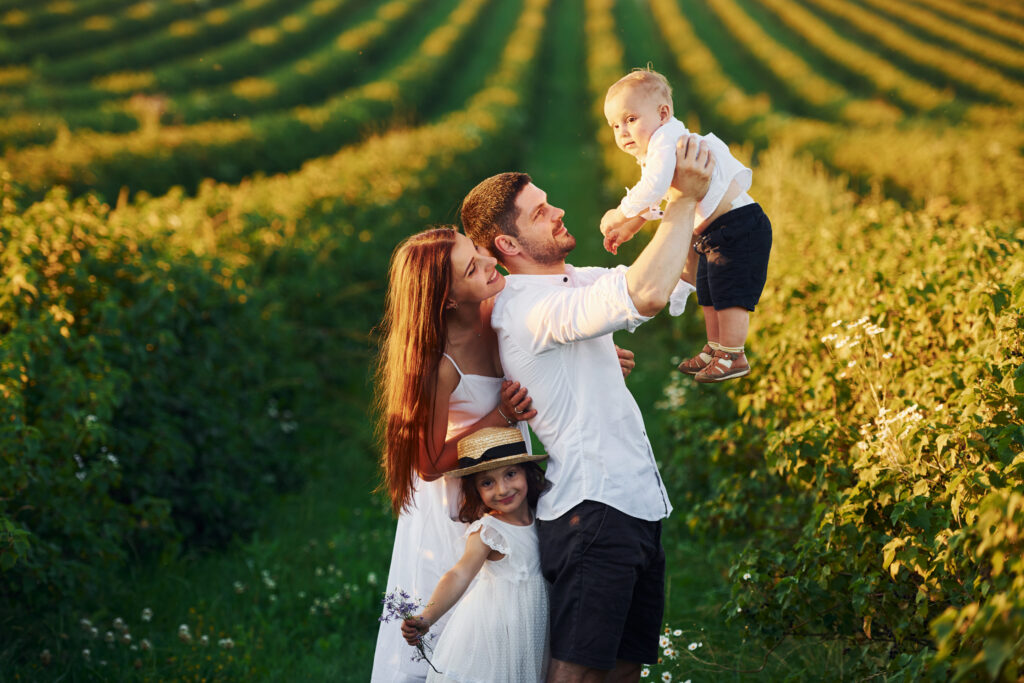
[[413, 336]]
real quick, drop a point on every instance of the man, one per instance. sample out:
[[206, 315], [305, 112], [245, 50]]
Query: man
[[599, 525]]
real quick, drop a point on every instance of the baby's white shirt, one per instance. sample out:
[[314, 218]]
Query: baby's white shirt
[[658, 167]]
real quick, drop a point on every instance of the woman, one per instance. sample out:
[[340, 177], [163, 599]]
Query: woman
[[438, 378]]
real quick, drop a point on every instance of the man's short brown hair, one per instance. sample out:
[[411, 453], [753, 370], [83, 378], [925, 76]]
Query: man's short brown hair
[[490, 209]]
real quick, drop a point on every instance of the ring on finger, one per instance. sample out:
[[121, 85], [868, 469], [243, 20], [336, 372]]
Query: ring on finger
[[518, 412]]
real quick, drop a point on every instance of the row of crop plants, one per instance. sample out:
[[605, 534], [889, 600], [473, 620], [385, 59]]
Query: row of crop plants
[[280, 46], [18, 22], [259, 49], [955, 69], [122, 49], [998, 54], [979, 18], [238, 90], [148, 97], [822, 97], [156, 354], [158, 157], [877, 452], [887, 80], [96, 32]]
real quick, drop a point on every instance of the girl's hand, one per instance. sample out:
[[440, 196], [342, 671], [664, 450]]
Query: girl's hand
[[413, 629], [516, 402]]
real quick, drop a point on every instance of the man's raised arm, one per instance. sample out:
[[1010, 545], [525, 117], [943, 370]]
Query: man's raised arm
[[656, 271]]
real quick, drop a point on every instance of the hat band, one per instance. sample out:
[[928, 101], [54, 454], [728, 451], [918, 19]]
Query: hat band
[[495, 452]]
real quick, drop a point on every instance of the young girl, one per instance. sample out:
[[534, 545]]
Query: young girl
[[734, 236], [499, 631]]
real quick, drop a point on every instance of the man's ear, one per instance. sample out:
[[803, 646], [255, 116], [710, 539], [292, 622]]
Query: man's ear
[[506, 245]]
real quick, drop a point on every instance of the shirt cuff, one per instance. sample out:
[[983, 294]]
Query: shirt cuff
[[678, 298], [633, 318]]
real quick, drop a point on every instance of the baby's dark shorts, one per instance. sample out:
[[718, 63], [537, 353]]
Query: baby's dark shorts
[[734, 259], [606, 571]]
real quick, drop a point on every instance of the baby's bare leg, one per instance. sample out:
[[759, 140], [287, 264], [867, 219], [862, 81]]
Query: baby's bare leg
[[732, 326]]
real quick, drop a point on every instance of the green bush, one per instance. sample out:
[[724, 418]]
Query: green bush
[[141, 399], [877, 452]]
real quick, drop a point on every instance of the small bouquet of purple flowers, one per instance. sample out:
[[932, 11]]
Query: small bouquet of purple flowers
[[399, 606]]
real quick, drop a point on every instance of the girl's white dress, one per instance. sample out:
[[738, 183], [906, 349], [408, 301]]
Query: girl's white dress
[[498, 633], [428, 540]]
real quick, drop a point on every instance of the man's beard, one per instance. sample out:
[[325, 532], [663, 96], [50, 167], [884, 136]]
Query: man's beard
[[547, 252]]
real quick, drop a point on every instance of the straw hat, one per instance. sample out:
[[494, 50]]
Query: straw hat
[[492, 447]]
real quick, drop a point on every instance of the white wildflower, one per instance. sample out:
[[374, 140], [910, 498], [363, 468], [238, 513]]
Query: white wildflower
[[147, 614]]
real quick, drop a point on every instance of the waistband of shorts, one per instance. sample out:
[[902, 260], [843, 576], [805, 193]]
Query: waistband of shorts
[[733, 214]]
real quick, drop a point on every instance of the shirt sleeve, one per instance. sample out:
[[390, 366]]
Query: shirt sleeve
[[656, 177], [563, 315], [489, 534]]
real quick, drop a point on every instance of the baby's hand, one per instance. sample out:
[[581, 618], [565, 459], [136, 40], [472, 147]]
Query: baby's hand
[[613, 239], [612, 219], [618, 229], [413, 629]]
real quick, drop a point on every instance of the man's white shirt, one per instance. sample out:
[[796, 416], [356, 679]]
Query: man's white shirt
[[555, 338]]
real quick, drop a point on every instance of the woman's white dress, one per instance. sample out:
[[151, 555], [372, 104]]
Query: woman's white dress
[[428, 540], [498, 633]]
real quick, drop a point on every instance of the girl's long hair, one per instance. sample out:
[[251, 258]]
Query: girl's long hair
[[473, 506], [413, 335]]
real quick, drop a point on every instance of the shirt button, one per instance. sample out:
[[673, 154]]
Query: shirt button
[[565, 279]]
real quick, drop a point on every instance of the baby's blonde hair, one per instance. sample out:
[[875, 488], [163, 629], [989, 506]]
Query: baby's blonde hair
[[647, 80]]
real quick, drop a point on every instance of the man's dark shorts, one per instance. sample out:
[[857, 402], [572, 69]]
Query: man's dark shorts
[[733, 263], [607, 576]]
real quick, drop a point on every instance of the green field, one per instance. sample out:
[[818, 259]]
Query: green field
[[199, 200]]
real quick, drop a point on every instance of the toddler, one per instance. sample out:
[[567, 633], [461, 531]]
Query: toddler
[[732, 237], [499, 631]]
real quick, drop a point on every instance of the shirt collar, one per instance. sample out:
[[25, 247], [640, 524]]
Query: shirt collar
[[564, 279]]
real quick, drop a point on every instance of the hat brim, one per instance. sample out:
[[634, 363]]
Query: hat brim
[[495, 464]]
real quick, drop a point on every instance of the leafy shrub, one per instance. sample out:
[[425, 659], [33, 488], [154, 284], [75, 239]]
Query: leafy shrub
[[136, 384], [878, 451]]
